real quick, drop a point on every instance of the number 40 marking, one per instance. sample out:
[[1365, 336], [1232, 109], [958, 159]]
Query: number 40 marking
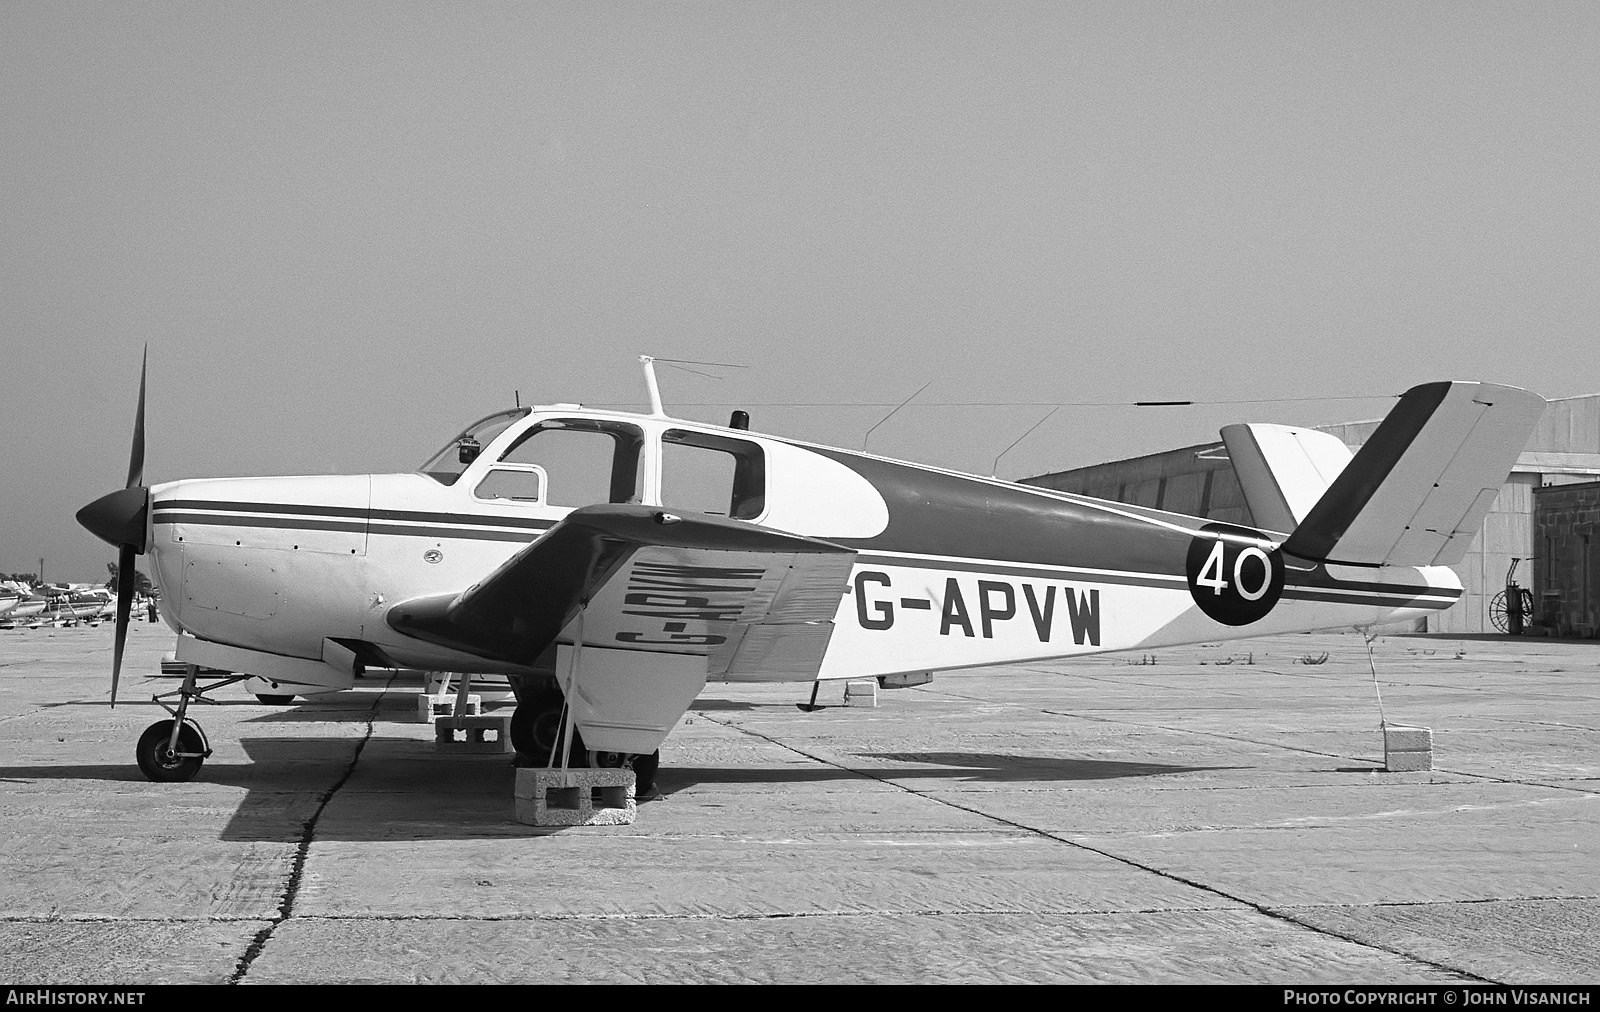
[[1212, 573]]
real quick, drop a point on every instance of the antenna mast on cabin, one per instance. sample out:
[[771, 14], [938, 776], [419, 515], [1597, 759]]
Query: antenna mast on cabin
[[649, 364]]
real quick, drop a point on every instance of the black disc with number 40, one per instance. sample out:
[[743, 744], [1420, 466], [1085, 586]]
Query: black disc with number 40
[[1235, 576]]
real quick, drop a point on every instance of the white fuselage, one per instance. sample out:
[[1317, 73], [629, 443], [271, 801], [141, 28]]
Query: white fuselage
[[284, 565]]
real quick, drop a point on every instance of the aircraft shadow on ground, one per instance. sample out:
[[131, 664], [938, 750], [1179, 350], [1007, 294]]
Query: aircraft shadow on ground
[[723, 704], [404, 790], [1004, 768], [106, 771]]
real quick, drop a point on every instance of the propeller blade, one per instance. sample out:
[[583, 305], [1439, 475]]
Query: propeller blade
[[125, 586], [136, 458]]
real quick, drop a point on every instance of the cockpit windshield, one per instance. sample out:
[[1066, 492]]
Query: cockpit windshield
[[446, 465]]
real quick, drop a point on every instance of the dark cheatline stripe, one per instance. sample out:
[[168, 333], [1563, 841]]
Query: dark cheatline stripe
[[1348, 495], [1392, 591], [294, 509], [458, 532], [260, 507], [525, 536], [1385, 601]]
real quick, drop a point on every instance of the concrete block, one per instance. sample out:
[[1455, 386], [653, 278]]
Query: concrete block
[[864, 693], [1407, 749], [430, 706], [602, 797], [474, 733], [1407, 762]]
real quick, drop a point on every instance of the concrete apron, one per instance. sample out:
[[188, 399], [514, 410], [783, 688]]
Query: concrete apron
[[1221, 814]]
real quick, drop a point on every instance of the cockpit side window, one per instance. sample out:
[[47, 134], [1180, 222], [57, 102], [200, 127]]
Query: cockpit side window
[[446, 465], [521, 485], [584, 460], [706, 473]]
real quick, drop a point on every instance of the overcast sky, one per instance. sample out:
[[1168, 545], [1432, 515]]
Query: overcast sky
[[346, 229]]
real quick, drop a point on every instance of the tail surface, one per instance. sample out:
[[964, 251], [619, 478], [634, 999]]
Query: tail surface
[[1283, 470], [1417, 492]]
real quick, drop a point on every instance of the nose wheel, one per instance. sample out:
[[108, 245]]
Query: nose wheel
[[170, 752]]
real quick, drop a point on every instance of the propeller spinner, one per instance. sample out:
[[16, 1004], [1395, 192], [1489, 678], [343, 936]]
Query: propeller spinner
[[120, 519]]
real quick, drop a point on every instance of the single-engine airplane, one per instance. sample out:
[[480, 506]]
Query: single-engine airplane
[[611, 563]]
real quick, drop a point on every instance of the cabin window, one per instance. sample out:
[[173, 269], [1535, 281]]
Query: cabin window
[[707, 473], [584, 461]]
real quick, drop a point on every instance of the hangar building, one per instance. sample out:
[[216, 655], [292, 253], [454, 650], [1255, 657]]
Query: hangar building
[[1548, 511]]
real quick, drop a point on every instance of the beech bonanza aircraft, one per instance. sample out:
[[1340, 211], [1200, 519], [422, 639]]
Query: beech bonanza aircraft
[[610, 563]]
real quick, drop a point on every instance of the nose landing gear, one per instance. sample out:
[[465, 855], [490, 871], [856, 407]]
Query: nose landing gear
[[172, 751]]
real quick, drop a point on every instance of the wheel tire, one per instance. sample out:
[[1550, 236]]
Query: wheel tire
[[644, 767], [157, 765], [271, 700], [536, 729], [644, 772], [1497, 613]]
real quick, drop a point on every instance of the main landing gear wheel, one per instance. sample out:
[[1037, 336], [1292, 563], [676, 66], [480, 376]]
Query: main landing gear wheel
[[275, 700], [608, 760], [160, 763], [536, 729], [644, 768]]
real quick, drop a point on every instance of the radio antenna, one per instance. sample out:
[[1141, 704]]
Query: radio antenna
[[994, 471], [890, 415]]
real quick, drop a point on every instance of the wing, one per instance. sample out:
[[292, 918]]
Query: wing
[[643, 606]]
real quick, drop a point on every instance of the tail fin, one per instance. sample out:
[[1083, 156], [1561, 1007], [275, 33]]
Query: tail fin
[[1418, 490], [1283, 470]]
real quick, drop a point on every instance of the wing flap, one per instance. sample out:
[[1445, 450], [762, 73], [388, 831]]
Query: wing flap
[[738, 609]]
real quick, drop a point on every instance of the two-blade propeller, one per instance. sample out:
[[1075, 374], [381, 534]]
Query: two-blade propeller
[[121, 519]]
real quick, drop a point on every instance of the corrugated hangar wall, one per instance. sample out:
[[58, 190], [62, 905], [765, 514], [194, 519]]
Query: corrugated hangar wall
[[1199, 481]]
